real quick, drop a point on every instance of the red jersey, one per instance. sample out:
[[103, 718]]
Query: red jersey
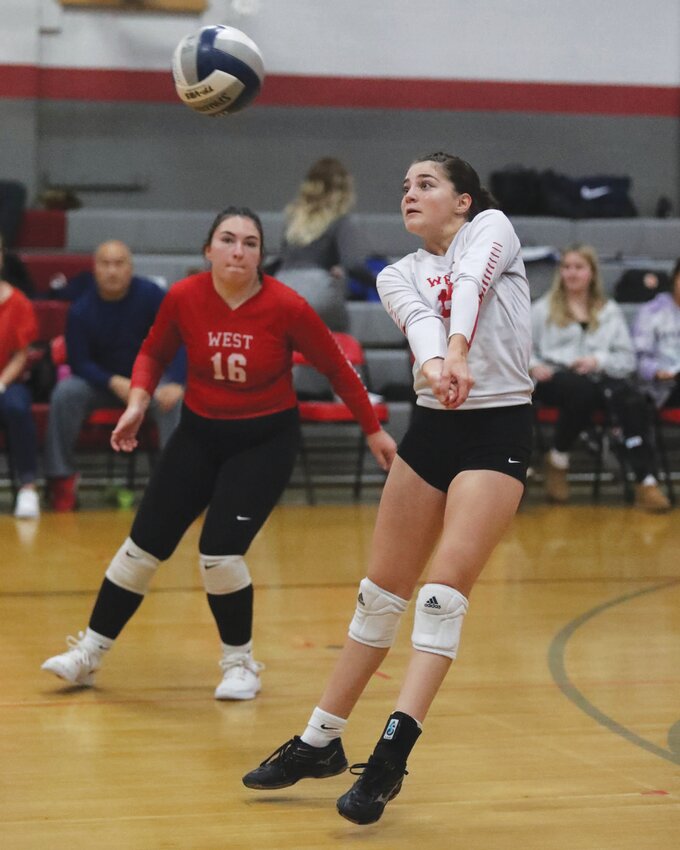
[[18, 326], [240, 360]]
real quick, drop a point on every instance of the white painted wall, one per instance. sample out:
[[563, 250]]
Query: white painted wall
[[176, 155], [600, 41]]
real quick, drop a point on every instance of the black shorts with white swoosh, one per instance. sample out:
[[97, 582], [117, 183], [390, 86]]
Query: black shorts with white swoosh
[[441, 443]]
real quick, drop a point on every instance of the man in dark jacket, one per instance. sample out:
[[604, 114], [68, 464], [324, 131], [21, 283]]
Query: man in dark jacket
[[105, 329]]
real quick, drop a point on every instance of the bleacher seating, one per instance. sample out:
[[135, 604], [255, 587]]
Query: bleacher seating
[[45, 266], [167, 244], [42, 229]]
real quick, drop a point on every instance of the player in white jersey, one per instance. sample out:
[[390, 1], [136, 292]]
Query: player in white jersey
[[463, 302]]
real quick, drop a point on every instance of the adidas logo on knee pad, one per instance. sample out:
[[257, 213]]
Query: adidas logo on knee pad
[[438, 619]]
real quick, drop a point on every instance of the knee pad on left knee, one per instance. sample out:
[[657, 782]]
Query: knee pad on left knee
[[132, 568], [223, 574], [438, 619]]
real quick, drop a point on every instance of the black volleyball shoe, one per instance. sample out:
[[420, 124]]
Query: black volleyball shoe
[[379, 782], [296, 760]]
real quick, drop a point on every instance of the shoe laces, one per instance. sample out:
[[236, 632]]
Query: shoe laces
[[240, 660], [76, 647], [282, 753], [372, 772]]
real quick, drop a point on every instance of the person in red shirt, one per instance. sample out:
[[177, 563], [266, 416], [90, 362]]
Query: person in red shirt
[[235, 447], [18, 328]]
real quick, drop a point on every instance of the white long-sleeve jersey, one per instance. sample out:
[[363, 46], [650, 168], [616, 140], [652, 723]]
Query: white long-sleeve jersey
[[478, 288]]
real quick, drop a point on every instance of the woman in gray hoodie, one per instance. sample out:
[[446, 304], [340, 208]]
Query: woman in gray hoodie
[[583, 360]]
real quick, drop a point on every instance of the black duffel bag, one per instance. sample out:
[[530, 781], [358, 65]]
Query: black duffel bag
[[601, 196], [517, 190]]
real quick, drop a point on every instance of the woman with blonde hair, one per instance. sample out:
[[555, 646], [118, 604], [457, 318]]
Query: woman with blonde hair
[[322, 245], [582, 361], [319, 230]]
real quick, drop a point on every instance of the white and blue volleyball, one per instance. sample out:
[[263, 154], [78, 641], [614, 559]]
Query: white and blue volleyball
[[217, 70]]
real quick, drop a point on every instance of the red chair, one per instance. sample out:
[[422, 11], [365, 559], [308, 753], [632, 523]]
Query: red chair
[[95, 433], [596, 441], [327, 412], [95, 436], [51, 316]]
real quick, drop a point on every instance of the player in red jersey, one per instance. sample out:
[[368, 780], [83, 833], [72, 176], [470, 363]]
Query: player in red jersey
[[235, 447]]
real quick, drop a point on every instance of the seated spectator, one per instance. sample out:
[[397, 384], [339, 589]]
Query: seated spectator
[[582, 361], [15, 271], [104, 331], [18, 328], [320, 233], [656, 335]]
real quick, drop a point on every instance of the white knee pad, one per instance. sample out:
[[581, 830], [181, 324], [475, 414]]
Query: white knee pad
[[224, 573], [132, 568], [377, 615], [438, 619]]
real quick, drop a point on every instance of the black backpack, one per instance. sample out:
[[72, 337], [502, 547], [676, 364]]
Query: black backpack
[[42, 372], [638, 285], [517, 190]]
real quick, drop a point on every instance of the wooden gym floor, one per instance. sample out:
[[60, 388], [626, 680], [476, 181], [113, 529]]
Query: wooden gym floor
[[558, 727]]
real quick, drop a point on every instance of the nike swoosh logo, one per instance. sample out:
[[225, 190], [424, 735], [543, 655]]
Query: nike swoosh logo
[[243, 518], [210, 564], [510, 460], [329, 728], [589, 194], [130, 555]]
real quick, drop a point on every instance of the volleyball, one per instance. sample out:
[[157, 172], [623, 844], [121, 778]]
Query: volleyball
[[217, 70]]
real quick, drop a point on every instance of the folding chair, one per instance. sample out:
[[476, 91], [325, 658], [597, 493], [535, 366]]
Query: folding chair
[[666, 418], [596, 441], [96, 430], [332, 412]]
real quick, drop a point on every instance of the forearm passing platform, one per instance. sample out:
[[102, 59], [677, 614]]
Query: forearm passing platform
[[377, 615], [438, 619], [223, 574], [132, 568]]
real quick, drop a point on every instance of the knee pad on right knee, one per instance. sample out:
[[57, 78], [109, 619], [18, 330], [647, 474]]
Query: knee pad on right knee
[[438, 619], [377, 615], [132, 568]]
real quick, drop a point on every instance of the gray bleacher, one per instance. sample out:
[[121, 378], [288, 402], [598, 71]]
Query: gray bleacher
[[621, 244], [168, 244]]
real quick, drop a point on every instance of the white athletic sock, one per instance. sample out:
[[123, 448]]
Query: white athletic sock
[[560, 460], [96, 643], [323, 728], [244, 649]]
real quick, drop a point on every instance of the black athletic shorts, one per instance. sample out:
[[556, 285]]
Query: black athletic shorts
[[441, 443]]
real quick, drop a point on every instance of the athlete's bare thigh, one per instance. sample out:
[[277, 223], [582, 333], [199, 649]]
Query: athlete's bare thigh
[[409, 522], [480, 506]]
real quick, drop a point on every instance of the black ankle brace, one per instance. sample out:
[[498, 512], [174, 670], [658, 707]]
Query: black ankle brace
[[398, 738]]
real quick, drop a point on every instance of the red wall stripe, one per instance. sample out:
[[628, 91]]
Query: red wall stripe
[[26, 81]]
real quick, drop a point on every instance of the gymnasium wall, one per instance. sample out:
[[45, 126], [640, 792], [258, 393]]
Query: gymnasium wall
[[86, 97]]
